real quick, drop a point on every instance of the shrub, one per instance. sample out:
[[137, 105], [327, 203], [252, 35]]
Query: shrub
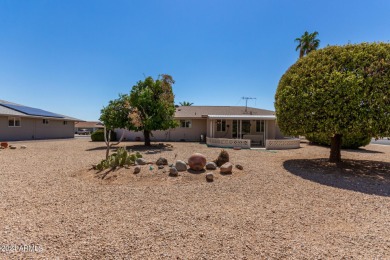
[[223, 157], [349, 141], [98, 136], [118, 159]]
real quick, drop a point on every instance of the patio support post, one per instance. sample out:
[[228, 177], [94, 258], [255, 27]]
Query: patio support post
[[212, 128], [240, 128]]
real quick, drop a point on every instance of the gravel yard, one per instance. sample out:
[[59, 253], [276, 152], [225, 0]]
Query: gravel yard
[[284, 204]]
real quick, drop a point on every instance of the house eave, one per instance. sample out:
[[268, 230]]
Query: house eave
[[243, 117]]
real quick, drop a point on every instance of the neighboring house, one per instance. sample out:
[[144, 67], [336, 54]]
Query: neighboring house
[[87, 127], [220, 125], [18, 122]]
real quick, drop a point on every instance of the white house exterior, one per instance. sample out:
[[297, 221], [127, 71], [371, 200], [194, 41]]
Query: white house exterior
[[219, 125], [18, 122]]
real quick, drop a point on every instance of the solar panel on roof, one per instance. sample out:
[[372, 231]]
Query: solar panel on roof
[[32, 111]]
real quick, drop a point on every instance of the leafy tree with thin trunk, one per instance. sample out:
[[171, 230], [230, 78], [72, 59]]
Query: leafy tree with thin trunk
[[186, 104], [115, 116], [306, 43], [336, 91], [153, 107]]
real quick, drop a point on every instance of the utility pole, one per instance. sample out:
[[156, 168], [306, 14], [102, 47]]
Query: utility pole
[[246, 102]]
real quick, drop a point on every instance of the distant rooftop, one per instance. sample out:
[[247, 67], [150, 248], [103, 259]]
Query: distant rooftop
[[89, 124]]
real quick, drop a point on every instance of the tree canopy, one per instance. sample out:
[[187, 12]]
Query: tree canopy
[[337, 90], [185, 103], [306, 43], [153, 105], [115, 115]]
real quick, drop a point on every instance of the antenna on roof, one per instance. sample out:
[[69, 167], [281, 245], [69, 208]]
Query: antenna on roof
[[246, 102]]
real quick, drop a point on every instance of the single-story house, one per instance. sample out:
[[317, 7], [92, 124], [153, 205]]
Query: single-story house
[[18, 122], [222, 126], [87, 127]]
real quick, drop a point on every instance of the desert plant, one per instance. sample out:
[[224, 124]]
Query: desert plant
[[118, 159], [223, 157]]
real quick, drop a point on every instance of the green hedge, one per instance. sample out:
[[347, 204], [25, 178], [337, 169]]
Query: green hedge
[[98, 136], [350, 141]]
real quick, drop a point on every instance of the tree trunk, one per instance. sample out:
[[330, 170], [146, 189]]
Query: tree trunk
[[147, 137], [107, 140], [335, 149]]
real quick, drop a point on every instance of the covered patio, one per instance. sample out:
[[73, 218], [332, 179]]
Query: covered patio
[[243, 131]]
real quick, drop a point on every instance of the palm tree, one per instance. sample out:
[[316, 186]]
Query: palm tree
[[185, 103], [307, 43]]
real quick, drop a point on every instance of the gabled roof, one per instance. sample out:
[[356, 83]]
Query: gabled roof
[[12, 109], [205, 111]]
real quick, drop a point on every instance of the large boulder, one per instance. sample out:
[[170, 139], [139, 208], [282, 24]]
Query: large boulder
[[137, 169], [141, 161], [173, 172], [197, 162], [210, 176], [226, 168], [211, 166], [162, 161], [181, 166]]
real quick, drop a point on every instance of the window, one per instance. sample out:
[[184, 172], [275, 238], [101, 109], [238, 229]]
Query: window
[[65, 122], [185, 123], [260, 126], [45, 121], [14, 121], [221, 125]]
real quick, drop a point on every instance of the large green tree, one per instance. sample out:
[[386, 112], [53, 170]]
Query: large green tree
[[153, 105], [306, 43], [335, 91], [116, 116]]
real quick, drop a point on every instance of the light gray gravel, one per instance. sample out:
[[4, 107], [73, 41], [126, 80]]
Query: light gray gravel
[[280, 206]]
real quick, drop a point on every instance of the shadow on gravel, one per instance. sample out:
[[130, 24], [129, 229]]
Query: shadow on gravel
[[370, 177], [155, 148], [360, 150], [196, 172]]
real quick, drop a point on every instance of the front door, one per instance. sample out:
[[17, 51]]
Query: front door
[[246, 127], [235, 129]]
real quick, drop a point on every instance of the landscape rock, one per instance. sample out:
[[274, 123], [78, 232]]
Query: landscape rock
[[239, 166], [211, 166], [173, 172], [181, 166], [162, 161], [23, 147], [4, 144], [137, 169], [210, 176], [197, 162], [226, 168], [161, 167], [12, 147], [141, 161]]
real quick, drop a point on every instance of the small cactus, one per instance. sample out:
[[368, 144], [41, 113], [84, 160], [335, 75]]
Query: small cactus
[[119, 159]]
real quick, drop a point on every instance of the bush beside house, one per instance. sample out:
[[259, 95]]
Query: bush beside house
[[98, 136]]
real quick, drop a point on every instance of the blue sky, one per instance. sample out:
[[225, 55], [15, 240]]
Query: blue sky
[[72, 57]]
